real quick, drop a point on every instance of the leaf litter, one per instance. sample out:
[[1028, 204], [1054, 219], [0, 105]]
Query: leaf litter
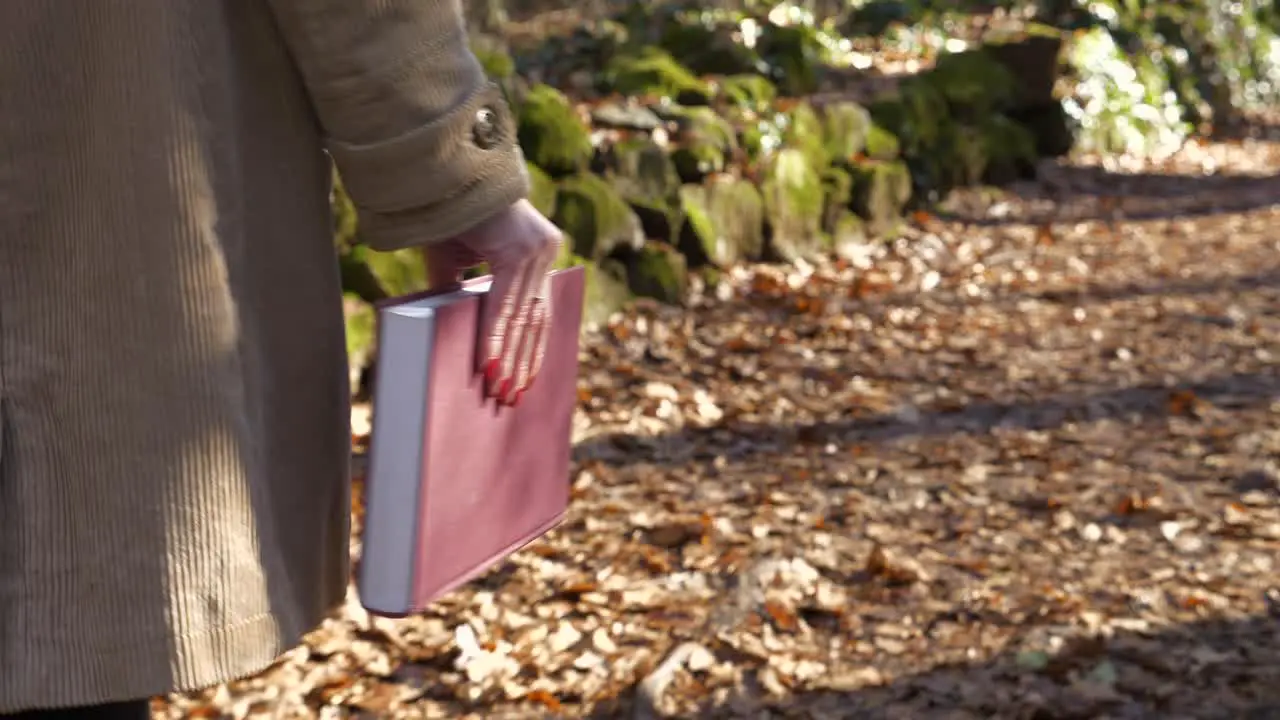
[[1022, 462]]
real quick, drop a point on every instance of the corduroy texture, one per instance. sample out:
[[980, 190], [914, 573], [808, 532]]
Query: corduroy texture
[[173, 393]]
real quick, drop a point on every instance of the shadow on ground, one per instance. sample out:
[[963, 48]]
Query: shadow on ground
[[739, 440], [1085, 194], [1203, 670]]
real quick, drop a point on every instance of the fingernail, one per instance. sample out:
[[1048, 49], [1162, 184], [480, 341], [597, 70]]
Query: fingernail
[[491, 371], [516, 400], [504, 390]]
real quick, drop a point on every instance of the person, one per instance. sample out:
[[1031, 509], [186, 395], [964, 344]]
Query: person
[[174, 426]]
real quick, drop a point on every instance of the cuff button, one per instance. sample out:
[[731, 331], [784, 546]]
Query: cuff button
[[486, 133]]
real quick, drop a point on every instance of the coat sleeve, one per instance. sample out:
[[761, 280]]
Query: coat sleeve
[[424, 143]]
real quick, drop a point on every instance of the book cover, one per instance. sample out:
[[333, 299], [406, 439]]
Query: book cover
[[456, 482]]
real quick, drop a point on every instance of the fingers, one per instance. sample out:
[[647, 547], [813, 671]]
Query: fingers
[[501, 326], [523, 336], [521, 339], [538, 334], [532, 347]]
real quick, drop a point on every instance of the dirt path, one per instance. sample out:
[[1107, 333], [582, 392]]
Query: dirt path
[[1023, 464]]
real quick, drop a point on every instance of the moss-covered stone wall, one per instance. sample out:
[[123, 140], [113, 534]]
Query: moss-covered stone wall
[[669, 142]]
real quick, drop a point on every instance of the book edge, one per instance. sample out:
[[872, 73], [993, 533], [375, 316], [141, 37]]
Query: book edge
[[377, 592]]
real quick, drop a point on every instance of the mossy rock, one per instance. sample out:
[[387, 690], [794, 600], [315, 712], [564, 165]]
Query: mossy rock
[[493, 57], [360, 320], [749, 91], [641, 170], [344, 214], [1052, 128], [705, 142], [880, 192], [605, 291], [793, 200], [361, 324], [646, 178], [795, 54], [848, 235], [710, 49], [837, 189], [357, 278], [400, 272], [805, 131], [590, 210], [968, 157], [542, 190], [1010, 150], [973, 82], [705, 125], [552, 134], [917, 113], [846, 127], [760, 137], [695, 161], [654, 73], [724, 222], [657, 271], [882, 144], [1033, 60]]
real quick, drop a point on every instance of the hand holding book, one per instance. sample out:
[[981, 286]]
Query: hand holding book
[[520, 245]]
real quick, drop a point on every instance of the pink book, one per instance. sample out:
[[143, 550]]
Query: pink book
[[455, 482]]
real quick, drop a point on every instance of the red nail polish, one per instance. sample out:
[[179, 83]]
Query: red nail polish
[[504, 389], [516, 400], [491, 368]]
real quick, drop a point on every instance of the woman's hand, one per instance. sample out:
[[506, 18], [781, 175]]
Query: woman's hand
[[520, 246]]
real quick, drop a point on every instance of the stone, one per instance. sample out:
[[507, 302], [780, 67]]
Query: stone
[[723, 222], [749, 91], [793, 200], [646, 178], [657, 271], [704, 143], [594, 215], [973, 82], [805, 131], [882, 144], [880, 192], [625, 117], [551, 133], [542, 190], [605, 290], [654, 73], [1010, 149], [846, 126]]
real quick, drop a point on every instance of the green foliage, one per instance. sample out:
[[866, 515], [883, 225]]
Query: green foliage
[[1123, 105]]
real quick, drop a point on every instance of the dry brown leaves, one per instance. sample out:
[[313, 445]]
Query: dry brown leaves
[[1021, 463]]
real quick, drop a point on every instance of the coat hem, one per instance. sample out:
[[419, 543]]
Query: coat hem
[[232, 652]]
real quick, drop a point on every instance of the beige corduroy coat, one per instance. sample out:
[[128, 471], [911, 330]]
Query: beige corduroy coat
[[173, 390]]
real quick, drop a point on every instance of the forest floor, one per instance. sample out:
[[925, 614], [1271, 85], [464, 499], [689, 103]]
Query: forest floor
[[1022, 463]]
